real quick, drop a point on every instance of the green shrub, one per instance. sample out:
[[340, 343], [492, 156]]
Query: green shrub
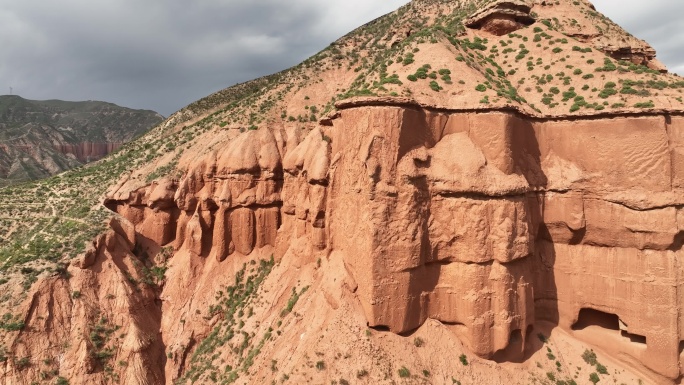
[[627, 90], [542, 338], [589, 357], [463, 359], [601, 369], [404, 372], [435, 86], [607, 92], [648, 104], [594, 378], [570, 94], [608, 66], [481, 88]]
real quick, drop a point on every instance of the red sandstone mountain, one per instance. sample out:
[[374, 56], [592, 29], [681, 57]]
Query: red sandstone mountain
[[459, 192]]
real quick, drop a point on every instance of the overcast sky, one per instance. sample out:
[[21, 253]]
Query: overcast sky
[[164, 54]]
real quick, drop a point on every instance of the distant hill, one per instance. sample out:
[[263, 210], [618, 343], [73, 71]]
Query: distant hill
[[43, 138]]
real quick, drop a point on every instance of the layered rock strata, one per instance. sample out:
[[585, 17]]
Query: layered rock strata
[[487, 221], [501, 17], [88, 151]]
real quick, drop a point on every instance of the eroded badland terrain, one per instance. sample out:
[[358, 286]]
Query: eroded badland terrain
[[459, 192], [39, 139]]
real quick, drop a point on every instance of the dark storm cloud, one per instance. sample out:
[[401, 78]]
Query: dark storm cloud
[[159, 54], [164, 54]]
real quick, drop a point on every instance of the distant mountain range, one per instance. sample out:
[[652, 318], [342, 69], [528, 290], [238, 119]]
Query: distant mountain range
[[43, 138]]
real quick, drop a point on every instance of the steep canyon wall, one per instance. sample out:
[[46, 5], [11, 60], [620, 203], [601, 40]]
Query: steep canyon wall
[[487, 221]]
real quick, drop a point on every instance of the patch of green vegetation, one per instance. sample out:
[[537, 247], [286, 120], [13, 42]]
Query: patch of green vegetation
[[232, 302], [102, 350], [463, 359], [11, 322], [601, 369], [608, 66], [293, 300], [594, 378], [435, 86], [648, 104]]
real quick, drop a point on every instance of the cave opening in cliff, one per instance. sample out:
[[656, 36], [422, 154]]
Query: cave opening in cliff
[[590, 317], [608, 322], [380, 328]]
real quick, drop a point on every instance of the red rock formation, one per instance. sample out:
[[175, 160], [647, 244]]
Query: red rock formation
[[501, 17], [231, 197], [455, 207], [87, 151], [481, 220]]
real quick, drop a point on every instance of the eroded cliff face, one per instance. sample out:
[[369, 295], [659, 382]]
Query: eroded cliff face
[[78, 321], [88, 151], [489, 221], [236, 199], [486, 221]]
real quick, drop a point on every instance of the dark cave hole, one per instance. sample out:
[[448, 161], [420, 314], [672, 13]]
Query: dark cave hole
[[610, 322]]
